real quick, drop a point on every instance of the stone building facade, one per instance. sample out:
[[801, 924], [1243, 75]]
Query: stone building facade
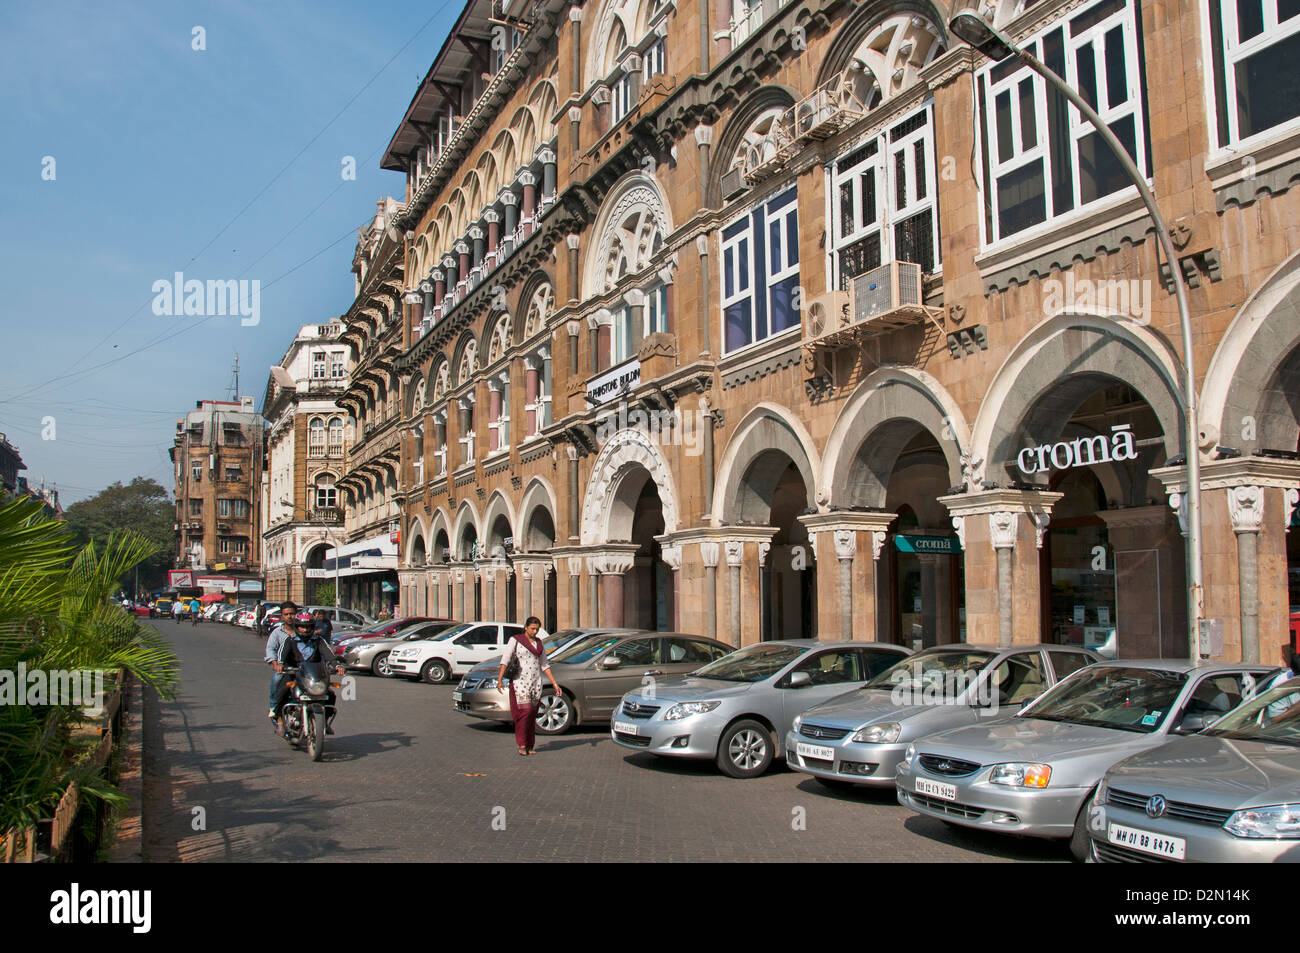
[[763, 319], [305, 448]]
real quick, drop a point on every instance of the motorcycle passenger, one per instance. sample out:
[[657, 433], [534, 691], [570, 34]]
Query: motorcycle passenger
[[274, 643], [306, 645]]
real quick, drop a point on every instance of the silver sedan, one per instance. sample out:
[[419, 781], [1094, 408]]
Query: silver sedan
[[1229, 794], [737, 709], [1035, 773]]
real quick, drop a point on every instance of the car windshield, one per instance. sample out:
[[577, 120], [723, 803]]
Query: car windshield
[[927, 673], [426, 632], [586, 649], [752, 664], [1273, 716], [451, 633], [1109, 696]]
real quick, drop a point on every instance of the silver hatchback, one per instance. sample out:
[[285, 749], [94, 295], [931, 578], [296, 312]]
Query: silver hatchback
[[738, 709]]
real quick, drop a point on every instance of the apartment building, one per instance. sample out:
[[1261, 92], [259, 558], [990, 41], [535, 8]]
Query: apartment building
[[763, 319]]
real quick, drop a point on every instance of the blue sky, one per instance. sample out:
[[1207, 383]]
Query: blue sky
[[157, 147]]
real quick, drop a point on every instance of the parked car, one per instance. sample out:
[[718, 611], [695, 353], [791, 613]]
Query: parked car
[[1036, 772], [370, 654], [453, 652], [859, 737], [737, 709], [380, 629], [476, 695], [342, 618], [227, 613], [1228, 794]]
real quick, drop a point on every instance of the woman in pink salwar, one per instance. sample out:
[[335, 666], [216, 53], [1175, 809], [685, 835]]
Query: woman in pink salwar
[[526, 687]]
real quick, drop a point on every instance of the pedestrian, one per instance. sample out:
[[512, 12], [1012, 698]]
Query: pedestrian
[[523, 662], [324, 627]]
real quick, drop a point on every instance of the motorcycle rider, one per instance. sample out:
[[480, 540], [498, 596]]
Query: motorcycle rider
[[274, 642], [307, 645]]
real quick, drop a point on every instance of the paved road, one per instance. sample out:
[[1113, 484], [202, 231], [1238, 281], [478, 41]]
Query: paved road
[[407, 778]]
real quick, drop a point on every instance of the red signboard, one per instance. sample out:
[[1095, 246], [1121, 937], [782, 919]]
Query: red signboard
[[180, 578]]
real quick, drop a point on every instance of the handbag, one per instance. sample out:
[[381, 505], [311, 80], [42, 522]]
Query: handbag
[[512, 667]]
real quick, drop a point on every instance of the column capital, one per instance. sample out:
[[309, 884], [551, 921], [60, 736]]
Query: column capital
[[703, 135], [1003, 526], [1246, 507], [475, 233], [546, 156], [878, 537], [527, 178], [735, 551], [574, 328], [507, 197], [462, 248], [573, 240], [846, 543], [843, 520], [671, 553], [612, 558], [492, 216], [763, 549], [575, 114], [709, 554], [999, 501]]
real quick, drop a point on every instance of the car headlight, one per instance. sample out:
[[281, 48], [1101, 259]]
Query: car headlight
[[798, 723], [1277, 822], [883, 733], [909, 754], [1020, 774], [490, 682], [686, 709], [1102, 794]]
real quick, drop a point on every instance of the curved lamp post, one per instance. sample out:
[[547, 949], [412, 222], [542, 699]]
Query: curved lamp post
[[976, 31]]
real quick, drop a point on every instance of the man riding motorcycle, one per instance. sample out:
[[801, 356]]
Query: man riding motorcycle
[[279, 633], [305, 645]]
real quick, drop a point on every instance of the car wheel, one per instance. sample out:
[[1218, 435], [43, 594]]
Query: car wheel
[[1079, 845], [555, 714], [435, 672], [746, 750], [380, 665]]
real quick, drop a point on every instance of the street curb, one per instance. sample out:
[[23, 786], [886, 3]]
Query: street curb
[[128, 845]]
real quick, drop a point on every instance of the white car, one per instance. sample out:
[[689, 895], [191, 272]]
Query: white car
[[452, 653]]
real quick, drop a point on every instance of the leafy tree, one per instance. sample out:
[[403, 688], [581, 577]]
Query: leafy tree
[[55, 614], [324, 595], [141, 506]]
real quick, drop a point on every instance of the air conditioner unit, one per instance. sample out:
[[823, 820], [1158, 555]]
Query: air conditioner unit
[[828, 110], [733, 182], [890, 288], [826, 314]]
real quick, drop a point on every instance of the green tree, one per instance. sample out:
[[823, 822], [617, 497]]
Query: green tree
[[141, 506], [324, 595], [55, 614]]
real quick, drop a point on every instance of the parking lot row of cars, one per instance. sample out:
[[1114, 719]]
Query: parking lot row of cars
[[1126, 760]]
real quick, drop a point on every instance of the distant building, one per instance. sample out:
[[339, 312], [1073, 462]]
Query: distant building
[[302, 516], [11, 462], [217, 451]]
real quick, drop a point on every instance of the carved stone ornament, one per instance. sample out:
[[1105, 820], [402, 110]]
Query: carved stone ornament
[[1180, 230], [972, 469], [959, 524], [709, 553], [846, 544], [1246, 507], [1289, 500], [1178, 503], [1041, 521], [878, 538], [763, 549], [1002, 529], [735, 552], [672, 556]]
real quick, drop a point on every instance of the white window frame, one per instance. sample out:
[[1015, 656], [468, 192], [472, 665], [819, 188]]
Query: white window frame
[[740, 250], [620, 336], [1078, 129], [883, 166], [620, 96], [319, 366], [338, 365], [1235, 51], [656, 58]]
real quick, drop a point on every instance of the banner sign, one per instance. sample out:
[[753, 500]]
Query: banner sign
[[250, 585], [1080, 452], [614, 382], [927, 544], [224, 583], [180, 578]]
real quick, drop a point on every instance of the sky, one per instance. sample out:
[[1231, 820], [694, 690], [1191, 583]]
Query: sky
[[128, 154]]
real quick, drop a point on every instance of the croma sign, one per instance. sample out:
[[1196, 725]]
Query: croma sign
[[1081, 452]]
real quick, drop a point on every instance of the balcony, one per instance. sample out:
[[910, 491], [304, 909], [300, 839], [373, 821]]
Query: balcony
[[332, 515]]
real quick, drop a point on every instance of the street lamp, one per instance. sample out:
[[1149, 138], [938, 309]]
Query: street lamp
[[976, 31]]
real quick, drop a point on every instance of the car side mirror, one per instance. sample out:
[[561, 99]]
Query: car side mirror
[[1193, 723], [800, 679], [612, 661]]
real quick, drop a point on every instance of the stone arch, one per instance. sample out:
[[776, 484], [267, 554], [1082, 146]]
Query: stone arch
[[464, 344], [539, 497], [633, 223], [761, 101], [416, 533], [466, 520], [439, 535], [1069, 355], [765, 442], [606, 510], [543, 99], [503, 147], [497, 339], [890, 407], [498, 506], [415, 396], [1253, 382], [878, 36], [615, 19], [537, 304]]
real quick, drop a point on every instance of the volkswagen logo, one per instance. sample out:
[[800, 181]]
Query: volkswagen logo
[[1155, 806]]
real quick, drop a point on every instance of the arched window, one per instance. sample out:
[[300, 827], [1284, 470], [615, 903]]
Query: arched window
[[631, 230], [316, 437], [336, 437], [468, 363], [540, 307], [440, 383], [500, 340], [326, 494]]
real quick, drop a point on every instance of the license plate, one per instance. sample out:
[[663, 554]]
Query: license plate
[[1148, 843], [625, 727], [947, 792], [814, 751], [457, 696]]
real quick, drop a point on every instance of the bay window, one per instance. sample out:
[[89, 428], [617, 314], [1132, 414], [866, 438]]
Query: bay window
[[1255, 45], [1041, 159], [760, 271], [883, 195]]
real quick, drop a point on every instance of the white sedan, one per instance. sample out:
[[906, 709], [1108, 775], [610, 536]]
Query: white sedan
[[452, 653]]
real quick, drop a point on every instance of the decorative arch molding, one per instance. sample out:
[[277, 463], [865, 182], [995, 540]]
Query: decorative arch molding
[[464, 343], [637, 198], [901, 36], [1068, 356], [499, 505], [416, 530], [439, 523], [1254, 375], [466, 516], [628, 18], [539, 494], [889, 407], [627, 450], [498, 336], [415, 396], [753, 106], [749, 471], [537, 305]]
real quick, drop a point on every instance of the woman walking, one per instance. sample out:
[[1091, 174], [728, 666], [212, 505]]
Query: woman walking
[[525, 657]]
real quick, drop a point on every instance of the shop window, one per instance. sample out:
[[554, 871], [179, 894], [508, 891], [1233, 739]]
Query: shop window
[[760, 271], [1256, 66], [884, 200], [1041, 159]]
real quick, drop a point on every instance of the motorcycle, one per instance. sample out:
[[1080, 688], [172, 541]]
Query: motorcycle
[[305, 711]]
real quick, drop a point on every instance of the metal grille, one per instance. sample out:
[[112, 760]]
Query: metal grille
[[638, 710], [946, 807], [1110, 854], [911, 124], [914, 240], [859, 258], [468, 684], [639, 740], [821, 731], [1179, 809], [948, 767]]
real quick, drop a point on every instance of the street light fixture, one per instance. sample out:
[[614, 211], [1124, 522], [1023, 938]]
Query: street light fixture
[[976, 31]]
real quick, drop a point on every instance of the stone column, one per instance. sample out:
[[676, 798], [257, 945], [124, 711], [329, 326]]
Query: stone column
[[702, 247], [462, 271], [476, 237], [599, 323], [461, 612], [709, 555], [575, 38], [1246, 507], [510, 205], [575, 505], [735, 553], [575, 587], [575, 131], [709, 418], [839, 542], [493, 219], [449, 266], [531, 367], [1003, 526], [529, 182], [635, 301], [845, 542], [572, 242], [494, 414], [439, 286], [547, 159], [610, 563], [703, 142], [672, 558]]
